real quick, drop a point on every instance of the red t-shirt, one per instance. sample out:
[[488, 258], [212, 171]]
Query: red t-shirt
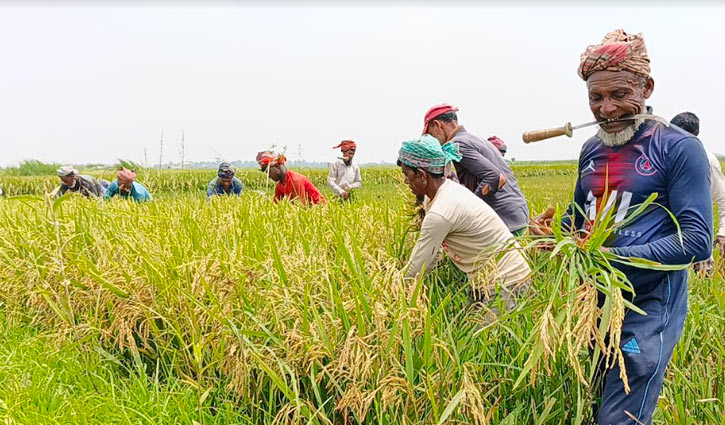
[[297, 186]]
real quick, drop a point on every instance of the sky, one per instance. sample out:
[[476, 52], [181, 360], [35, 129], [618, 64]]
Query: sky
[[82, 84]]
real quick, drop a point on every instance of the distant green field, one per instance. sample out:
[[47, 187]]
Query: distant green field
[[237, 310]]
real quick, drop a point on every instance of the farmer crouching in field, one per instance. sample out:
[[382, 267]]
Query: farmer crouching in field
[[71, 181], [126, 187], [691, 124], [344, 175], [632, 159], [225, 183], [482, 169], [290, 185], [469, 231]]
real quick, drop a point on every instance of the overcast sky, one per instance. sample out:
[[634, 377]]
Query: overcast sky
[[81, 84]]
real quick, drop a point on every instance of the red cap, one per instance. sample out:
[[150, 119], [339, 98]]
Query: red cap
[[436, 110]]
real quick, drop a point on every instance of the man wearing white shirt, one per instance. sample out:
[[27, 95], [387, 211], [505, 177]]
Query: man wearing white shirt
[[691, 123], [344, 175]]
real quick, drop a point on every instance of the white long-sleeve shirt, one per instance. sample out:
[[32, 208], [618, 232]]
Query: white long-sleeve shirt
[[717, 182], [343, 177], [472, 235]]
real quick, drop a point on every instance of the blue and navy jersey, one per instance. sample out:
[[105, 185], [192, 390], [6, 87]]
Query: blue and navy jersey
[[660, 159]]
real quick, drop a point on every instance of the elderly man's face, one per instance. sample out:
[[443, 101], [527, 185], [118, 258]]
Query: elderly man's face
[[415, 179], [124, 186], [613, 94], [275, 172], [349, 154], [68, 180], [435, 129]]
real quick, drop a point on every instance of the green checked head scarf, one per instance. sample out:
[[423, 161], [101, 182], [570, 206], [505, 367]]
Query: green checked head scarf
[[427, 154]]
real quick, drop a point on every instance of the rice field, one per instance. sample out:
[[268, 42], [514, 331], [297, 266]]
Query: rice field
[[237, 310]]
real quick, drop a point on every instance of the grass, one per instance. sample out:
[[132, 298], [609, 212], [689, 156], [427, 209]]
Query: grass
[[242, 311]]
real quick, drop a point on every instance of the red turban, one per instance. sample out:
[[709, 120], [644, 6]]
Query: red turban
[[269, 158], [125, 175], [618, 51], [346, 145]]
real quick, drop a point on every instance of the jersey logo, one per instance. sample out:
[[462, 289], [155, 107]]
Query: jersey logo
[[631, 347], [643, 166], [589, 168]]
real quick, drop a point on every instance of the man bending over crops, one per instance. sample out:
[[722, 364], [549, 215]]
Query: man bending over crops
[[482, 169], [225, 183], [71, 181], [126, 187], [691, 124], [290, 185], [630, 160], [470, 231], [344, 175]]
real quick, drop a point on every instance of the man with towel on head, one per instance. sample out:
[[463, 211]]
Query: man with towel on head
[[625, 162], [290, 185], [344, 175], [126, 187], [225, 183], [469, 231], [73, 182]]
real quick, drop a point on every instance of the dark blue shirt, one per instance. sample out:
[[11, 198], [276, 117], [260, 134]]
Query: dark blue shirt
[[215, 188], [660, 159]]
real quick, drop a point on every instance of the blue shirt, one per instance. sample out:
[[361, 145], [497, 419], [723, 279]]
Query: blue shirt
[[660, 159], [215, 187], [138, 192]]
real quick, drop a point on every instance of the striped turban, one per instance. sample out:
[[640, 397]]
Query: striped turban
[[125, 175], [427, 154], [269, 158], [618, 51], [226, 171], [346, 145]]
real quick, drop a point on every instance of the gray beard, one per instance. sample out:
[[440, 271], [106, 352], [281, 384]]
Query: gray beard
[[620, 138]]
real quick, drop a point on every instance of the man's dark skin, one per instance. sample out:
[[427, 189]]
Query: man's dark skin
[[69, 181], [612, 94], [226, 184], [276, 172], [421, 182], [444, 131]]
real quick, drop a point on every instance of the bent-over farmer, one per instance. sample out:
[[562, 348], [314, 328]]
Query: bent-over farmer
[[469, 231], [482, 169], [225, 183], [126, 187], [72, 181], [290, 185]]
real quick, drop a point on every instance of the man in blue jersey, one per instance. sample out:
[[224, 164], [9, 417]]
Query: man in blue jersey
[[632, 159]]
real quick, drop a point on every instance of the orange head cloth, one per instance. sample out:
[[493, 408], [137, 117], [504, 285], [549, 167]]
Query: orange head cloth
[[618, 51], [346, 145], [125, 175], [269, 158]]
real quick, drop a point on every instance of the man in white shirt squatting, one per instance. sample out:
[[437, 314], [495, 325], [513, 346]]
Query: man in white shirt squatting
[[344, 175], [468, 230]]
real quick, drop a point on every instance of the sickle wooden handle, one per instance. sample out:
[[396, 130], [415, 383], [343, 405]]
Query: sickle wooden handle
[[536, 135]]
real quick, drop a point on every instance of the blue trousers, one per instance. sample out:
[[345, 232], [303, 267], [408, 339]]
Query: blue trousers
[[647, 343]]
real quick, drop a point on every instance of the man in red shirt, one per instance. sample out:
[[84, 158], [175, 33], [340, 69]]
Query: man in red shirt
[[290, 185]]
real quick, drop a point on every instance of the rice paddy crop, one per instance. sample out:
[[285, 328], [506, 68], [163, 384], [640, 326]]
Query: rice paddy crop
[[237, 310]]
